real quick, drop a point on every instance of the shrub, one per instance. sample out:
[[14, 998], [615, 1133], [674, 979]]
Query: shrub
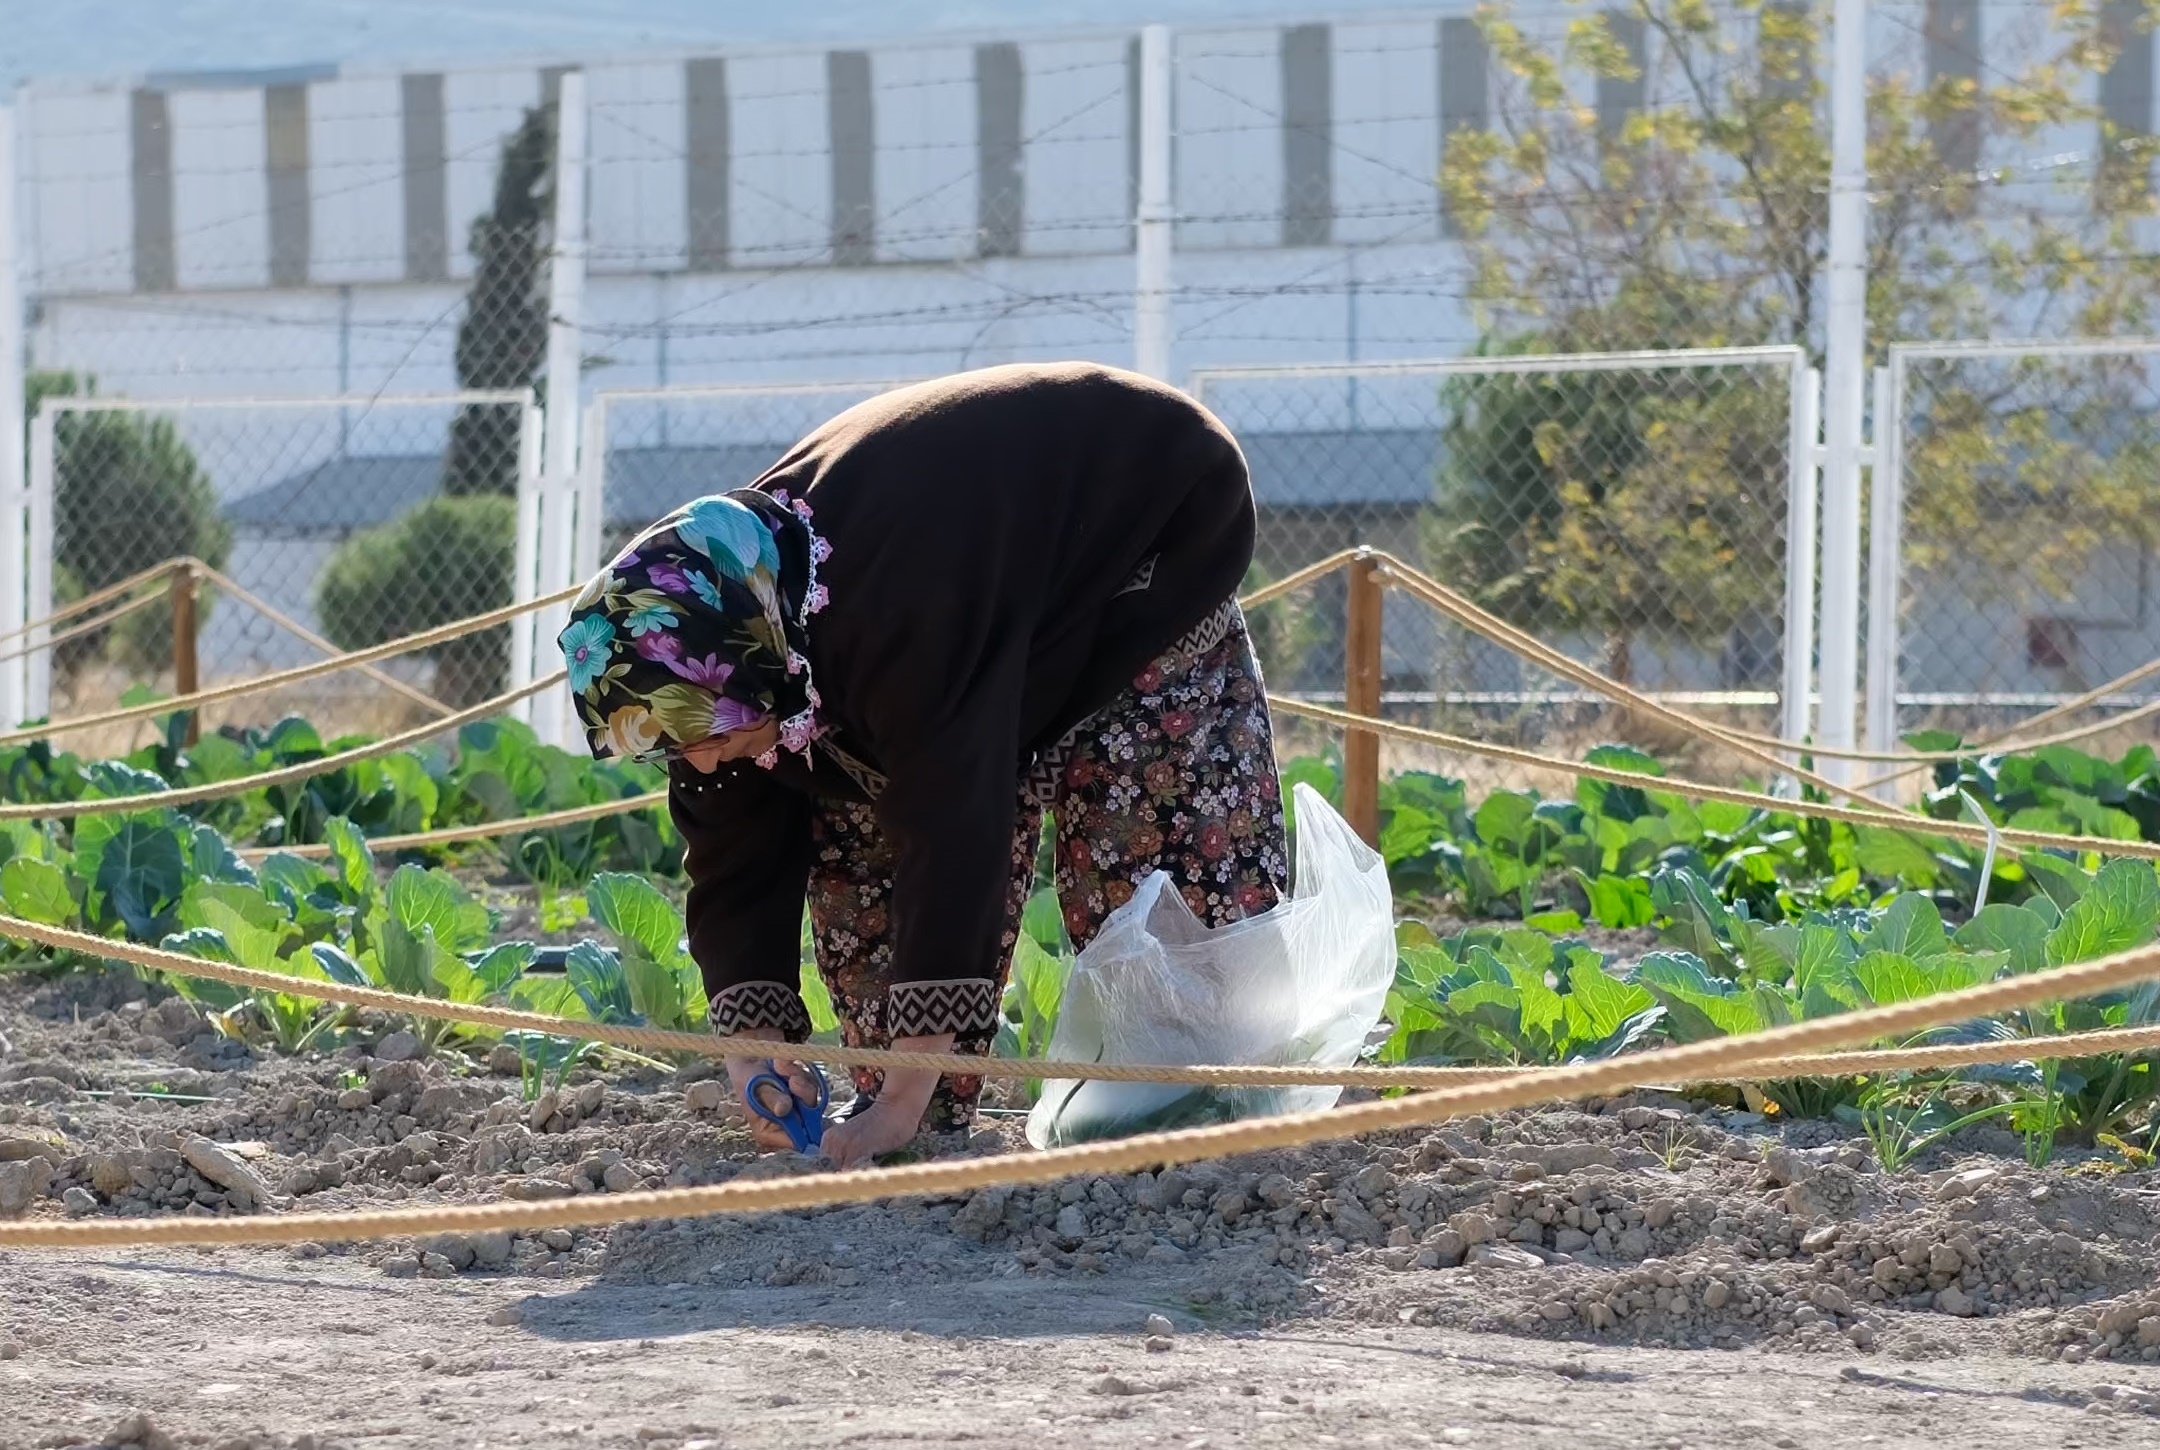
[[128, 494], [439, 561]]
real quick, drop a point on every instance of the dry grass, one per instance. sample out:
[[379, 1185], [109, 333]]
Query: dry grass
[[341, 704]]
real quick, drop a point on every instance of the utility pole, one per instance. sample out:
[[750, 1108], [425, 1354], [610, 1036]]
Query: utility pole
[[1845, 369]]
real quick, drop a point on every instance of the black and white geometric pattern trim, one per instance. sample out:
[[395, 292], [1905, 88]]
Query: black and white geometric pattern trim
[[1048, 767], [872, 781], [957, 1005], [748, 1006], [1142, 577], [1226, 618]]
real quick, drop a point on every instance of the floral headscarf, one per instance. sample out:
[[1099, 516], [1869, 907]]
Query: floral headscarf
[[698, 628]]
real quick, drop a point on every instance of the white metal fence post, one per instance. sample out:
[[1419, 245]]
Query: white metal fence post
[[14, 596], [591, 494], [1845, 374], [1800, 484], [1886, 554], [12, 537], [566, 305], [525, 570], [1152, 225], [38, 600]]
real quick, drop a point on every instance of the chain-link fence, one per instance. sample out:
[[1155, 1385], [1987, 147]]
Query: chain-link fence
[[650, 450], [2022, 523], [1634, 510], [339, 523]]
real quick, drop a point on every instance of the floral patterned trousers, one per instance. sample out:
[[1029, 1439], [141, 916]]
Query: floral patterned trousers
[[1177, 774]]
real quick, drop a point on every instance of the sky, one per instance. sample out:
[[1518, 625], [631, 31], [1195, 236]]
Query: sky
[[120, 38]]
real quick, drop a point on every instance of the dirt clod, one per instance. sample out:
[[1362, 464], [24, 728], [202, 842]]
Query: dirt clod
[[21, 1184], [140, 1431], [399, 1046], [221, 1166]]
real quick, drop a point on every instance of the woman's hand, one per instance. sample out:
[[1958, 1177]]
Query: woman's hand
[[769, 1137], [746, 743], [895, 1118]]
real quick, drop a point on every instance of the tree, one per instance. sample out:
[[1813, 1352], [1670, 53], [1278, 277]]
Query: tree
[[128, 494], [1701, 219], [1618, 503], [452, 556], [502, 341]]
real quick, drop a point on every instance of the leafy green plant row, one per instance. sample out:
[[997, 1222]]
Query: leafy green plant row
[[1496, 994], [1595, 853], [1528, 993], [1511, 853], [1768, 917], [419, 932], [495, 770], [154, 877]]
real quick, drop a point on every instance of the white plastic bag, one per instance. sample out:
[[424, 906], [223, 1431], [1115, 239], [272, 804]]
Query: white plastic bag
[[1302, 983]]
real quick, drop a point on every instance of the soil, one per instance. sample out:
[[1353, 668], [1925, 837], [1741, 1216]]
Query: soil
[[1640, 1271]]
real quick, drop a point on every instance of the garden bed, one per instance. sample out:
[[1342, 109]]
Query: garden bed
[[1597, 1240], [1654, 1221]]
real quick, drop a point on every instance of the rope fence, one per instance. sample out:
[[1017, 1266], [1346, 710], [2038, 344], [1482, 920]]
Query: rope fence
[[259, 684], [699, 1044], [1752, 744], [1697, 1061], [88, 626], [1792, 1051], [156, 573], [226, 585], [483, 831], [1700, 790], [1881, 817], [1395, 572], [1860, 810], [283, 775]]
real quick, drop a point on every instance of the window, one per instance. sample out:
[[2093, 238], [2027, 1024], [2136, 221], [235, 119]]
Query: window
[[1619, 97], [1465, 103], [150, 144], [285, 170], [427, 203], [1952, 32], [1000, 198], [1307, 139], [2126, 86], [707, 151], [854, 166]]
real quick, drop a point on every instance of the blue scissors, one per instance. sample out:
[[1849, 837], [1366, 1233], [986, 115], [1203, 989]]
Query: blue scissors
[[804, 1121]]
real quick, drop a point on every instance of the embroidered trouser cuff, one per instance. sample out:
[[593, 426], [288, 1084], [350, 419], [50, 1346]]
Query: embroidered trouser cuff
[[960, 1006], [754, 1006]]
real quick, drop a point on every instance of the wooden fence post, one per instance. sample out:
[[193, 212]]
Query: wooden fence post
[[1361, 696], [183, 643]]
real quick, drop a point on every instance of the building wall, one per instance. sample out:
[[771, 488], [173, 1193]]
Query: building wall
[[793, 215]]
